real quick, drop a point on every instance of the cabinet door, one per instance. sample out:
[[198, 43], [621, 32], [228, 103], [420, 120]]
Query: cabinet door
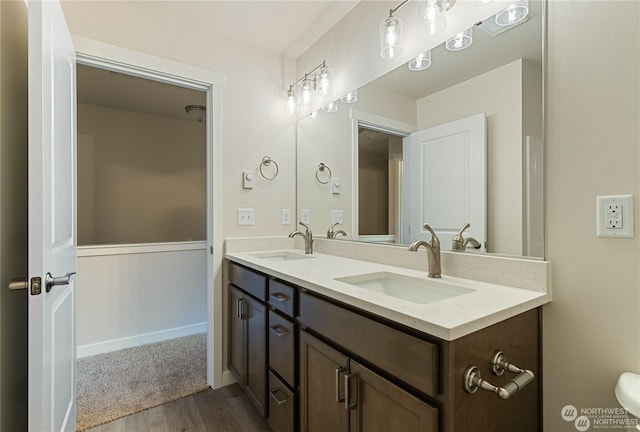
[[380, 406], [322, 371], [237, 343], [256, 345]]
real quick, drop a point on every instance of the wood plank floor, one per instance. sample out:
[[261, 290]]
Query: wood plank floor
[[226, 409]]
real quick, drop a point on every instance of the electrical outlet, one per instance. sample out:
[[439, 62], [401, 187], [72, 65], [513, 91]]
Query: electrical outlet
[[614, 216], [337, 216], [286, 217], [305, 216], [245, 216]]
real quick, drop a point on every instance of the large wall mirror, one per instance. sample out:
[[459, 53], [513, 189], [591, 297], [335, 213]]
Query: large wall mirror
[[459, 142]]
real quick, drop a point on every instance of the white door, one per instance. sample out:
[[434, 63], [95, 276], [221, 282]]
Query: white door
[[445, 181], [52, 224]]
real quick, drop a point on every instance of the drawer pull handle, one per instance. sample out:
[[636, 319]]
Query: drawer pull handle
[[339, 370], [348, 404], [279, 330], [279, 297], [274, 394]]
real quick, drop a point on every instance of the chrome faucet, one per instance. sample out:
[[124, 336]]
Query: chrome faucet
[[307, 236], [331, 234], [433, 252], [459, 243]]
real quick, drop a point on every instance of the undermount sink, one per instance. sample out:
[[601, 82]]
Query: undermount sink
[[407, 288], [281, 256]]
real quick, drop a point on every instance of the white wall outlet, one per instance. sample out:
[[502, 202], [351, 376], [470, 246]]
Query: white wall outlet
[[614, 216], [337, 216], [305, 216], [336, 186], [248, 180], [286, 217], [245, 216]]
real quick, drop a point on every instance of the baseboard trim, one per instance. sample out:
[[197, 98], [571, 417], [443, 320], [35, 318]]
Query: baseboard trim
[[137, 340]]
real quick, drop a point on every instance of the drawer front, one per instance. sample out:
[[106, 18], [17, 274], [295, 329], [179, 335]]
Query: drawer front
[[282, 347], [282, 297], [281, 406], [252, 282], [406, 357]]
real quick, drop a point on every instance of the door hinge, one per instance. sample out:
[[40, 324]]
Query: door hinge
[[36, 286]]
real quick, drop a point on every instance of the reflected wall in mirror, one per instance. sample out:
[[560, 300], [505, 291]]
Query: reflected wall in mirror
[[373, 178]]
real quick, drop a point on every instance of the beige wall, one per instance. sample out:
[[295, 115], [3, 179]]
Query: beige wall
[[13, 214], [254, 120], [498, 94], [141, 177], [592, 327]]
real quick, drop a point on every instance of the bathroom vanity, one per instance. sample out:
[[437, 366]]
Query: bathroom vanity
[[317, 348]]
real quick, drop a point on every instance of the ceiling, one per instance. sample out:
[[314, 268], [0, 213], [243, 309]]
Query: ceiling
[[287, 27]]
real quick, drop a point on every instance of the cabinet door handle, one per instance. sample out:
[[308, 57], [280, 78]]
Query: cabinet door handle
[[339, 370], [239, 308], [279, 297], [244, 309], [279, 330], [274, 394], [348, 404]]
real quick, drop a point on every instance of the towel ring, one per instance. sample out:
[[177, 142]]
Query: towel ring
[[321, 169], [266, 162]]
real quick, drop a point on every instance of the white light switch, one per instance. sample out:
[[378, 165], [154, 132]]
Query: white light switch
[[245, 216], [336, 186], [615, 216]]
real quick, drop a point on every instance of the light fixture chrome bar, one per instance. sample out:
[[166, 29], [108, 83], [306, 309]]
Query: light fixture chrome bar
[[311, 72], [397, 8]]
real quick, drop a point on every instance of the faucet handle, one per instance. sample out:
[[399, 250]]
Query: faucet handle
[[435, 241], [459, 235]]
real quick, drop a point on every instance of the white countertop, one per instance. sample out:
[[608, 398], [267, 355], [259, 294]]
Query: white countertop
[[447, 319]]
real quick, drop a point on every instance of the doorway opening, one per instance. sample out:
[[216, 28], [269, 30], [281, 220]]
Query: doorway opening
[[142, 207]]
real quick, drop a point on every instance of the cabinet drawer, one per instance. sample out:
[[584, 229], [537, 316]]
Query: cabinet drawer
[[252, 282], [282, 347], [406, 357], [281, 297], [281, 406]]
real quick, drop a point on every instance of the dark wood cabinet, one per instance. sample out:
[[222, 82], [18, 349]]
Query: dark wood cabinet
[[314, 364], [248, 345], [339, 394]]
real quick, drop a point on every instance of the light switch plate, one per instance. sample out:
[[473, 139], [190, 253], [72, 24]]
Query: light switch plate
[[245, 216], [248, 180], [336, 186], [337, 216], [305, 216], [614, 216]]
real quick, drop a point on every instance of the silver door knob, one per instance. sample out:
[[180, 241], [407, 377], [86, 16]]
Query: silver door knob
[[19, 283]]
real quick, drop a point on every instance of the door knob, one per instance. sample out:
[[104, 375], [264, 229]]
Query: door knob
[[51, 281], [19, 283]]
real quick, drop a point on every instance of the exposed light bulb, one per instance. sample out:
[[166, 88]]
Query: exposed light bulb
[[513, 14], [306, 91], [432, 16], [390, 37], [330, 107], [350, 97], [460, 41], [291, 100], [421, 62], [325, 76]]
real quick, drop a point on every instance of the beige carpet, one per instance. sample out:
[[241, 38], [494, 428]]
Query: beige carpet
[[119, 383]]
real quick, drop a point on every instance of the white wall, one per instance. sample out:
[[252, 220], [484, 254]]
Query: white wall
[[498, 94], [592, 327], [141, 177], [13, 215], [254, 121], [131, 295]]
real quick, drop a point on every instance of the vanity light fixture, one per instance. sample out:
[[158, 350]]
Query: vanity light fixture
[[432, 16], [460, 41], [318, 80], [330, 107], [350, 97], [391, 34], [479, 2], [514, 13], [421, 62]]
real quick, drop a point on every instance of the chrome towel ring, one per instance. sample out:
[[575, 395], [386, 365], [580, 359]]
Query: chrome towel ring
[[266, 163], [321, 168]]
